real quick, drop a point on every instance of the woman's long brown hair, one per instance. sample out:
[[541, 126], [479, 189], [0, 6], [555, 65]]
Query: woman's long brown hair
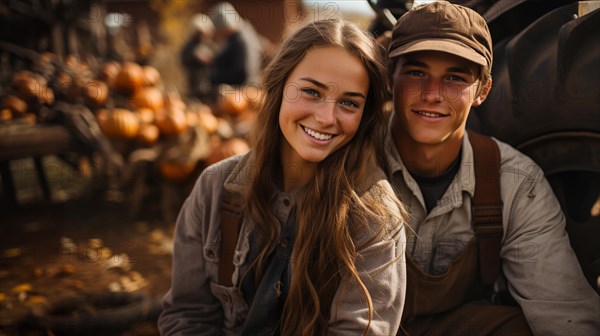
[[330, 209]]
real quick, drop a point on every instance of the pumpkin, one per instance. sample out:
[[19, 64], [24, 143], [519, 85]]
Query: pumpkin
[[232, 103], [148, 134], [65, 86], [45, 63], [5, 115], [47, 96], [171, 122], [72, 87], [21, 81], [151, 75], [173, 102], [224, 128], [29, 118], [208, 121], [15, 104], [109, 72], [176, 171], [130, 78], [200, 115], [120, 124], [75, 64], [146, 115], [192, 118], [32, 86], [148, 97], [101, 115], [231, 147], [96, 92]]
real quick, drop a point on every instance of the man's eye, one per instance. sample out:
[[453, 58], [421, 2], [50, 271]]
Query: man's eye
[[415, 73], [456, 78]]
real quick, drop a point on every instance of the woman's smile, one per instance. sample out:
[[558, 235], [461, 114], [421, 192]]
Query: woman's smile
[[320, 136]]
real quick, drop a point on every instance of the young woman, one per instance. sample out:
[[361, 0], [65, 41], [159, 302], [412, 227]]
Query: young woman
[[321, 235]]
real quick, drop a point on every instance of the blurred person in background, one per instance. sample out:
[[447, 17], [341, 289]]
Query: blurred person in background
[[197, 55], [240, 54]]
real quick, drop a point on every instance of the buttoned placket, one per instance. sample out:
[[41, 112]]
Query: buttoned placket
[[265, 310]]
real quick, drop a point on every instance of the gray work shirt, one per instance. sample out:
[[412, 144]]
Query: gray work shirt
[[541, 270], [197, 304]]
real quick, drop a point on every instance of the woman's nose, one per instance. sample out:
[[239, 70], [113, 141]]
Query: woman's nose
[[325, 113]]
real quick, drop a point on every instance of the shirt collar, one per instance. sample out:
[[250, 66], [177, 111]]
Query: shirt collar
[[237, 181], [465, 176]]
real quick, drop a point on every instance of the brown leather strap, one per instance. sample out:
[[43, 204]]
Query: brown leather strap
[[231, 222], [487, 205]]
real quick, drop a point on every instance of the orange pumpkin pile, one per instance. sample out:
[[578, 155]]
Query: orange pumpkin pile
[[239, 101], [133, 110], [176, 171], [231, 147], [28, 93]]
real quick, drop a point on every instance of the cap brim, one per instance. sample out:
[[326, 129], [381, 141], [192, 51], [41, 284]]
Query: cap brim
[[447, 46]]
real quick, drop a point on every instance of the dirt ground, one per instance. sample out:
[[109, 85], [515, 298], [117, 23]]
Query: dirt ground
[[82, 244]]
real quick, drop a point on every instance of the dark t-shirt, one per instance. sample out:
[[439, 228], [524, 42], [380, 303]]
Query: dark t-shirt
[[433, 188]]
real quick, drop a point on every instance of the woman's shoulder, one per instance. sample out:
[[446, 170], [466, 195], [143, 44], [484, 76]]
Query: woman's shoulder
[[376, 185], [372, 177], [385, 210], [226, 172], [214, 180]]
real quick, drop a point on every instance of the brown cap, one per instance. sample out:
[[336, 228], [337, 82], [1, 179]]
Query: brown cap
[[445, 27]]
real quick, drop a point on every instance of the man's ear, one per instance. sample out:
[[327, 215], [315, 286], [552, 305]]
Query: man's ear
[[391, 70], [483, 95]]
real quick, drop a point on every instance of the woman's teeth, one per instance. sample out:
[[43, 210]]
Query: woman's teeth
[[317, 135]]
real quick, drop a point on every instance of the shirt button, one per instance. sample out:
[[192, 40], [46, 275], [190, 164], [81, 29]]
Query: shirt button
[[225, 298], [283, 243], [286, 202]]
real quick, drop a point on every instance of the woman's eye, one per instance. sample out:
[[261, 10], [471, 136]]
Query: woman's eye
[[311, 92], [350, 103]]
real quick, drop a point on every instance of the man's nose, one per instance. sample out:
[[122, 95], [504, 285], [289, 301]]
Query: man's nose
[[432, 90]]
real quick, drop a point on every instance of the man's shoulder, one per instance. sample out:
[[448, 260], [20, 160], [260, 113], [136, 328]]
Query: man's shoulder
[[518, 172], [513, 160]]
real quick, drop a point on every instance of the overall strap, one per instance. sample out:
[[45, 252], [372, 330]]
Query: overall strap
[[487, 205], [232, 214]]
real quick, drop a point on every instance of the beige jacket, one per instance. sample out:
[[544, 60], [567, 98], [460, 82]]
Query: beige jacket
[[541, 270], [197, 305]]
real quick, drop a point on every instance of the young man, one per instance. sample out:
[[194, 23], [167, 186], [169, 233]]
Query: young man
[[440, 58]]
